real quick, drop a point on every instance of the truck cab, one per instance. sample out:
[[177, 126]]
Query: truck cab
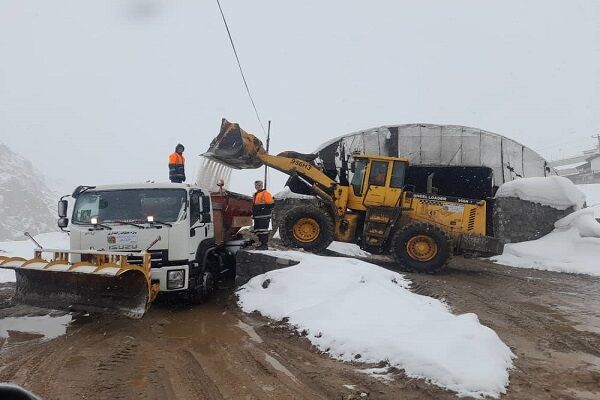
[[184, 228]]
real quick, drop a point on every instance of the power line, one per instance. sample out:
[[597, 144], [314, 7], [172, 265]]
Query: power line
[[240, 67]]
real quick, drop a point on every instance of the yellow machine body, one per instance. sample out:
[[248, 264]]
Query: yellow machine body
[[375, 204]]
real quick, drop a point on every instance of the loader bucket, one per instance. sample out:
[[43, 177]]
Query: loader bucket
[[235, 147], [102, 286]]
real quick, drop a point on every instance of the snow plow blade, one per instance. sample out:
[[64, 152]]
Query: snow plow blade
[[107, 283], [235, 147]]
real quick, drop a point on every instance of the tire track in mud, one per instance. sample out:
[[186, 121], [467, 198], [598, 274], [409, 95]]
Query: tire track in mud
[[205, 352]]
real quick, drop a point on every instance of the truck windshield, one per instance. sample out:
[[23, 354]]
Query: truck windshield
[[130, 205]]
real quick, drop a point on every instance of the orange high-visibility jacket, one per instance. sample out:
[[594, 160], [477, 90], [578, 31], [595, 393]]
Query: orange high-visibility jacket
[[176, 158], [177, 167], [262, 197]]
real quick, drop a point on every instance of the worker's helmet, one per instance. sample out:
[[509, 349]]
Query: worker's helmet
[[179, 148]]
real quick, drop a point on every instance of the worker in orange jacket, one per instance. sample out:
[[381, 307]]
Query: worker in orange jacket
[[262, 205], [177, 165]]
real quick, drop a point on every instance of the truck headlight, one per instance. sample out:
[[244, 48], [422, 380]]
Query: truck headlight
[[175, 279]]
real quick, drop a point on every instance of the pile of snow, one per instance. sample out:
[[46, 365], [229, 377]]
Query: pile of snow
[[26, 202], [286, 193], [592, 195], [348, 249], [573, 246], [553, 191], [24, 248], [356, 311]]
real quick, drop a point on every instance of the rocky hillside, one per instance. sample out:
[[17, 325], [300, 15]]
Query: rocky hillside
[[26, 202]]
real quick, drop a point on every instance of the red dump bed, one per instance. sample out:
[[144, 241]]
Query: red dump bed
[[231, 211]]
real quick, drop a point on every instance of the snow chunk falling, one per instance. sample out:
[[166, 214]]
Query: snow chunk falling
[[209, 172], [354, 310], [553, 191]]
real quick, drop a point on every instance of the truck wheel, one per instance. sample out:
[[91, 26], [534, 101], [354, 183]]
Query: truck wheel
[[308, 227], [422, 247], [203, 288], [204, 284]]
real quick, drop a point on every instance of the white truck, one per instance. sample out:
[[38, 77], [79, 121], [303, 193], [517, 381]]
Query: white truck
[[129, 242]]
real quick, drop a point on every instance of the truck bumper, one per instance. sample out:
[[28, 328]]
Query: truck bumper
[[162, 274]]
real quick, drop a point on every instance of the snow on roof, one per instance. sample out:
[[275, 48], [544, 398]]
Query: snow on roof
[[145, 185], [554, 191], [286, 193], [570, 166], [593, 156], [350, 307]]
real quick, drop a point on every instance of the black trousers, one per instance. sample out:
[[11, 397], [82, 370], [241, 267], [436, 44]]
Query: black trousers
[[262, 218]]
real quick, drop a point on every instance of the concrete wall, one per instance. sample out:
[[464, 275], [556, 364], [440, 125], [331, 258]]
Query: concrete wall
[[252, 263], [517, 220]]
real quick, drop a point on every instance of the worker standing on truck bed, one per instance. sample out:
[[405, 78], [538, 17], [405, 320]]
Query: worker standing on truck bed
[[262, 205], [177, 165]]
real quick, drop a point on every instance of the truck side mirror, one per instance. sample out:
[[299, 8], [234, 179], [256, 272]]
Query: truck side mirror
[[205, 204], [205, 218], [63, 222], [62, 208]]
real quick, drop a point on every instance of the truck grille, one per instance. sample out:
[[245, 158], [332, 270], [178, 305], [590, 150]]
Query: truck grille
[[157, 257]]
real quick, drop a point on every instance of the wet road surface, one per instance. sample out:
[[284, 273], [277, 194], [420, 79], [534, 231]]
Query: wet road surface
[[550, 320]]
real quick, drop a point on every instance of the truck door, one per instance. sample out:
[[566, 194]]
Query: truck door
[[199, 229], [376, 184]]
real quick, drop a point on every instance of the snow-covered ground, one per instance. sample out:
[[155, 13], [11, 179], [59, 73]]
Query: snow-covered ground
[[24, 248], [554, 191], [354, 310], [573, 246], [348, 249]]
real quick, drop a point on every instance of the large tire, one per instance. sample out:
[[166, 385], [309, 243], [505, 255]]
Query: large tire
[[308, 227], [203, 285], [422, 247]]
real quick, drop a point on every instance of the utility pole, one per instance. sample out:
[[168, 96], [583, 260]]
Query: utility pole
[[268, 142], [597, 137]]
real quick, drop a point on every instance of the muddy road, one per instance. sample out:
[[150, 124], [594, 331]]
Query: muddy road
[[551, 321]]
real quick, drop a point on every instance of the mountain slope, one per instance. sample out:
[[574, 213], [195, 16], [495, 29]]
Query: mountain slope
[[26, 202]]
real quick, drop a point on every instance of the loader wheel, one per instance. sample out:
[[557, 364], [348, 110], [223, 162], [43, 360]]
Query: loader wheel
[[422, 247], [308, 227]]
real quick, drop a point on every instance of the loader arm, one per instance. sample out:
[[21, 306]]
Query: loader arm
[[239, 149]]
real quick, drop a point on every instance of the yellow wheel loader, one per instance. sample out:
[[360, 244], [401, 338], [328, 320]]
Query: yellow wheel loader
[[376, 209]]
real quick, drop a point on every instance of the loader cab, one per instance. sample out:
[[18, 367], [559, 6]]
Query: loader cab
[[377, 181]]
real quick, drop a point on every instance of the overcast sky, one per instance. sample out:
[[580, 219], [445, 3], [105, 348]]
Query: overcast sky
[[101, 91]]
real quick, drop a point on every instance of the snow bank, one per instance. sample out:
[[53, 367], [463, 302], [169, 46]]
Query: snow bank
[[592, 195], [286, 193], [573, 246], [348, 249], [354, 310], [554, 191], [24, 248]]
